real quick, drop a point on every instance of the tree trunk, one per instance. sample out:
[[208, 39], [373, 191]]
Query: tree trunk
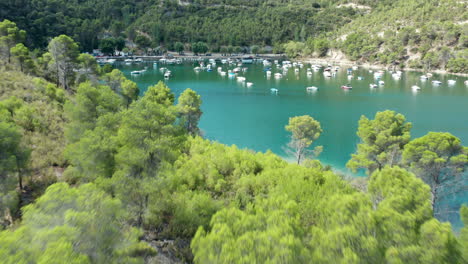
[[20, 177]]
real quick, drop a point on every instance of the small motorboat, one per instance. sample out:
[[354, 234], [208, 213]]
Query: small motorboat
[[415, 88], [381, 83], [360, 78], [436, 82], [311, 89], [346, 87], [373, 85], [167, 74], [135, 72], [423, 77], [240, 79], [274, 90], [278, 75], [451, 82], [249, 84], [223, 73]]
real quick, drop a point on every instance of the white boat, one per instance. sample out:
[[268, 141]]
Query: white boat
[[167, 74], [240, 79], [381, 82], [350, 77], [429, 75], [237, 69], [423, 77], [309, 73], [274, 90], [327, 74], [224, 61], [466, 82], [223, 73], [360, 78], [396, 76], [311, 89], [296, 70], [451, 82], [111, 61], [278, 75], [249, 84], [373, 85], [220, 69], [355, 68], [415, 88], [231, 75], [268, 73], [135, 72], [436, 82], [139, 60], [197, 69]]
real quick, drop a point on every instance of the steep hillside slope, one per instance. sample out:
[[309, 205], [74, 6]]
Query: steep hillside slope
[[429, 34]]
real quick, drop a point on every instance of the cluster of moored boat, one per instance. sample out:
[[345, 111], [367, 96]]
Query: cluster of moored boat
[[282, 69], [231, 73]]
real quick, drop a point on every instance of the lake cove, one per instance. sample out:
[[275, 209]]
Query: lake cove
[[253, 117]]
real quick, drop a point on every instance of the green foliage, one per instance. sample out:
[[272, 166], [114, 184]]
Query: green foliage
[[123, 86], [464, 232], [437, 158], [13, 159], [382, 141], [64, 53], [143, 41], [179, 47], [458, 65], [10, 35], [199, 47], [294, 49], [89, 104], [266, 233], [21, 54], [305, 130], [35, 106], [77, 225], [189, 111], [110, 45], [148, 138]]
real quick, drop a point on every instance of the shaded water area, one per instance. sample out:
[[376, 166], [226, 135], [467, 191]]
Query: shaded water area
[[254, 117]]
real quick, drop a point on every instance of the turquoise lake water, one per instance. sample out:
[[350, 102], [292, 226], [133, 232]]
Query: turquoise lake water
[[254, 118]]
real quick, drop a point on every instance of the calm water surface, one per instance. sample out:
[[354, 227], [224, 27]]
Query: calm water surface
[[254, 118]]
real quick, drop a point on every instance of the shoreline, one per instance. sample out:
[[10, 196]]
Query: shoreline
[[346, 62]]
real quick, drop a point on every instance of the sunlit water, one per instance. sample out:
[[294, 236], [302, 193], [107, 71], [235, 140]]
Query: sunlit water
[[253, 117]]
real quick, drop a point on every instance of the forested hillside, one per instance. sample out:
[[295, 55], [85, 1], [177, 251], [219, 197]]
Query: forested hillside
[[426, 34], [422, 34]]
